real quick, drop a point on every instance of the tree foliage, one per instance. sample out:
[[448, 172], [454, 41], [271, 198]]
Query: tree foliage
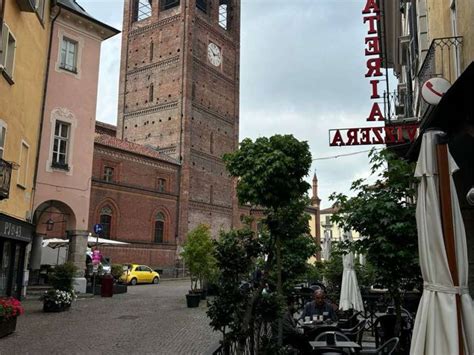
[[384, 213], [198, 255], [270, 174], [271, 170]]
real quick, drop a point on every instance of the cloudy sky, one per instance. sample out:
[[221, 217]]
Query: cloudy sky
[[302, 73]]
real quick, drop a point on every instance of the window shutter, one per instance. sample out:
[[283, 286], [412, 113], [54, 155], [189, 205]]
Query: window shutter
[[4, 44], [26, 5]]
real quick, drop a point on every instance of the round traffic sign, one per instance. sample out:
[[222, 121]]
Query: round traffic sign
[[98, 228]]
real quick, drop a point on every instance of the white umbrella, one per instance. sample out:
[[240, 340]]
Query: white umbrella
[[436, 324], [54, 243], [93, 241], [327, 245], [350, 292]]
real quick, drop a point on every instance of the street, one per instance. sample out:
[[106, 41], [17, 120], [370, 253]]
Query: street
[[150, 319]]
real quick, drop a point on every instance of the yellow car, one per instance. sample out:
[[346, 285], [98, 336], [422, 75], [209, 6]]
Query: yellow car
[[136, 273]]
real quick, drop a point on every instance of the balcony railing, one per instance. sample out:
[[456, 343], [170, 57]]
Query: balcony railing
[[398, 104], [5, 177], [443, 59]]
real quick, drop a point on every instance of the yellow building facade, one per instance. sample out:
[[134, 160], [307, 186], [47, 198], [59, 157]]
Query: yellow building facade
[[24, 38]]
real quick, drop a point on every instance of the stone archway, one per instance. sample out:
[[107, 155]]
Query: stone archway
[[55, 219]]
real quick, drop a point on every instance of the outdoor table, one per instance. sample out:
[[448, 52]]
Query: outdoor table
[[337, 345], [312, 329]]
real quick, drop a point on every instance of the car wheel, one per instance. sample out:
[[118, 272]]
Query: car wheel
[[133, 281], [156, 280]]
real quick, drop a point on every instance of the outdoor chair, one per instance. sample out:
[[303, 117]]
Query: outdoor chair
[[384, 327], [386, 349], [351, 320], [356, 333], [339, 336], [329, 351]]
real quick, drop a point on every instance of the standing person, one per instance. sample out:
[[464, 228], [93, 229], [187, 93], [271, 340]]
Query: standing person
[[319, 307]]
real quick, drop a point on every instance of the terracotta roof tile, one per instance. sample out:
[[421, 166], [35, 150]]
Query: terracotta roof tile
[[114, 142]]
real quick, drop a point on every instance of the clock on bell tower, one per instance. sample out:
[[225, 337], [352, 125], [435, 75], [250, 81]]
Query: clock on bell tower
[[179, 93]]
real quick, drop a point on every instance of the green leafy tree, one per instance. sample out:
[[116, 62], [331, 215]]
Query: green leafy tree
[[384, 213], [271, 174], [198, 255], [236, 253]]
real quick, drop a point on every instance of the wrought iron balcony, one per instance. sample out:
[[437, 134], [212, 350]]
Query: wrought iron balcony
[[5, 177], [398, 104], [443, 59]]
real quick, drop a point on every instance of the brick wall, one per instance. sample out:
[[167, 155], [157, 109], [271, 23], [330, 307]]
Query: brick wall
[[135, 200]]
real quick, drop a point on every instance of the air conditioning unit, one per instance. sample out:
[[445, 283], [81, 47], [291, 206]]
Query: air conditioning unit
[[27, 5]]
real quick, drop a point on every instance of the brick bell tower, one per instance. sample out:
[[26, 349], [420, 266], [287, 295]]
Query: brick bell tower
[[179, 93]]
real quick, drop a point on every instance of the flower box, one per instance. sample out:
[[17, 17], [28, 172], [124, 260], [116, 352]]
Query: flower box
[[7, 326], [57, 300], [10, 309], [49, 306]]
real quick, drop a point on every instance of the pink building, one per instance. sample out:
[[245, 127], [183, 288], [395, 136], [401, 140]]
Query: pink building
[[63, 181]]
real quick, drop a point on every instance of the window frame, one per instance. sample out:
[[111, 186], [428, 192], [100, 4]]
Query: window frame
[[108, 177], [224, 14], [160, 219], [168, 4], [7, 60], [54, 162], [161, 187], [22, 180], [40, 6], [106, 211], [202, 5], [136, 6], [63, 64], [3, 128]]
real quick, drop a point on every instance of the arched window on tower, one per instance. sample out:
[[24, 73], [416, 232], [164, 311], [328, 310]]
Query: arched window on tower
[[159, 227], [141, 9], [202, 5], [224, 14], [106, 220]]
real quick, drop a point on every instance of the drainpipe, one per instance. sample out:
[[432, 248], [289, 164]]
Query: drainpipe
[[43, 105], [36, 250]]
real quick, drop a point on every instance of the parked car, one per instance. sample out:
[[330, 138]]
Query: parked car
[[136, 273]]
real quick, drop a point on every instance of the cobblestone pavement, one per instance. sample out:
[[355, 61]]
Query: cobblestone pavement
[[149, 319]]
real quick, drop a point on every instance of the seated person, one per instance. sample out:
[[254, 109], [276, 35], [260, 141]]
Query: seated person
[[319, 307]]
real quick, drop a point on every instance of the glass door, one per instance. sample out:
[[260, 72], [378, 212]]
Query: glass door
[[5, 257]]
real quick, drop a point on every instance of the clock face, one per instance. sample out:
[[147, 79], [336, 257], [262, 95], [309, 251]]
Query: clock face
[[214, 54]]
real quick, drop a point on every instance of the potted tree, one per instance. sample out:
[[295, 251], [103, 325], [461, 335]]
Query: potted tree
[[10, 309], [62, 295], [200, 261]]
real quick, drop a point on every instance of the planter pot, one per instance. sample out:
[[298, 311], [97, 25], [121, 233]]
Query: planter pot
[[49, 306], [192, 300], [7, 326], [120, 288]]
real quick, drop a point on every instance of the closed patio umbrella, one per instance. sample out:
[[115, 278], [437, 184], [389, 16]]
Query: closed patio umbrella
[[327, 245], [445, 315], [350, 292]]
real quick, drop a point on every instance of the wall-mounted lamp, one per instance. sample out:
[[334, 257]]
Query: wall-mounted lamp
[[49, 225]]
